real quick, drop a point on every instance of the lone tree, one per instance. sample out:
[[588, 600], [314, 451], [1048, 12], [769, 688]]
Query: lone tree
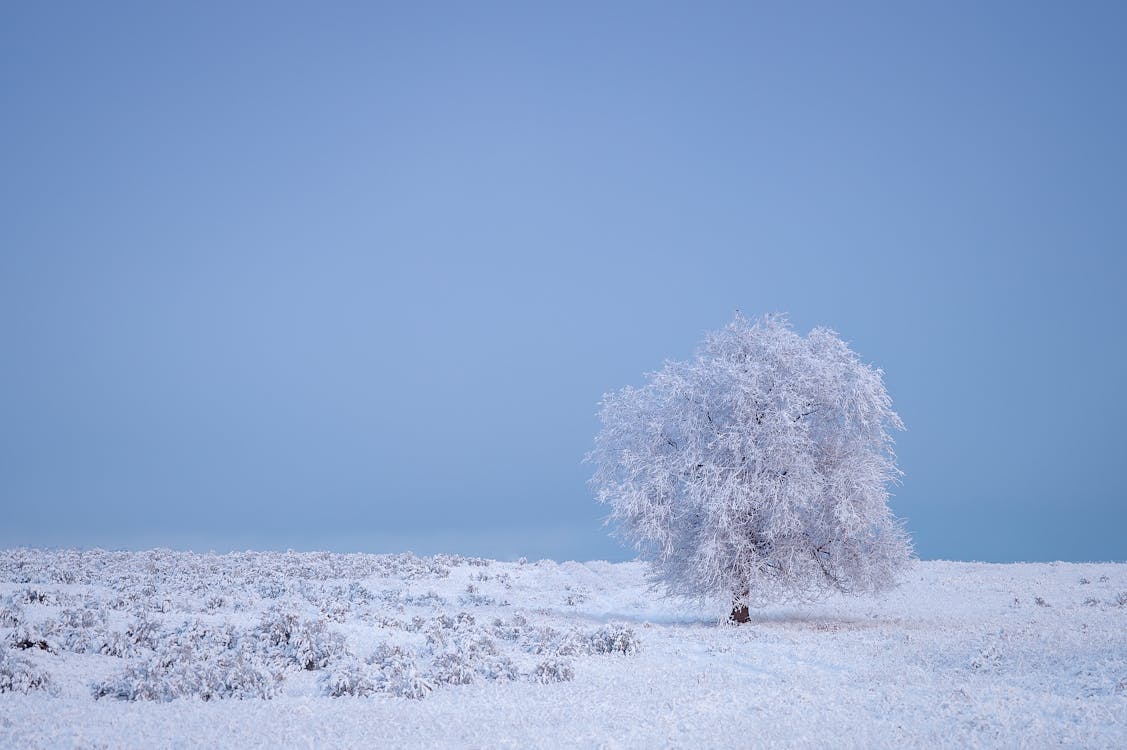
[[758, 470]]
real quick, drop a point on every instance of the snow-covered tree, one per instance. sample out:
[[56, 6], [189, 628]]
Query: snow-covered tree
[[759, 469]]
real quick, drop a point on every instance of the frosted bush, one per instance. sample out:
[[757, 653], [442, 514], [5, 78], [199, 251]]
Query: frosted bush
[[475, 598], [575, 596], [11, 615], [613, 639], [81, 618], [511, 630], [544, 639], [272, 590], [396, 672], [357, 593], [34, 596], [167, 677], [142, 635], [81, 640], [553, 670], [472, 656], [608, 639], [452, 668], [196, 660], [348, 678], [337, 611], [26, 637], [496, 668], [308, 644], [19, 675], [444, 627], [429, 599]]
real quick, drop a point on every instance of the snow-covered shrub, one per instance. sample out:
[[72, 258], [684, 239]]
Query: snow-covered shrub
[[758, 470], [613, 639], [272, 590], [25, 637], [410, 567], [544, 639], [197, 660], [553, 670], [19, 675], [308, 644], [167, 677], [1121, 599], [429, 599], [34, 596], [80, 640], [11, 615], [347, 678], [140, 635], [383, 621], [85, 618], [575, 596], [496, 667], [452, 668], [470, 655], [397, 672], [389, 669], [444, 627], [337, 611], [475, 598], [511, 630], [357, 593]]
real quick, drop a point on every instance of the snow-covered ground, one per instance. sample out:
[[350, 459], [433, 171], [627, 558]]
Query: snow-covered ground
[[171, 649]]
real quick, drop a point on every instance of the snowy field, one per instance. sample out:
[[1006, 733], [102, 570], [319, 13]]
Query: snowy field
[[170, 649]]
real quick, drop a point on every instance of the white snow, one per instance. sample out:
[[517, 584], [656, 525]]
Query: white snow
[[960, 655]]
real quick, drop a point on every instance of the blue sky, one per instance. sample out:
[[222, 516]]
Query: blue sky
[[355, 276]]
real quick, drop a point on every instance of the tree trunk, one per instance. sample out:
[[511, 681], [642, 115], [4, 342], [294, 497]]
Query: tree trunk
[[739, 611]]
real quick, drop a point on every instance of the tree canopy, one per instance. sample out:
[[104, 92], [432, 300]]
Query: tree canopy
[[759, 469]]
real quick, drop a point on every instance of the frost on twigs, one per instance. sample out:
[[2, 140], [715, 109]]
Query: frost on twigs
[[613, 639], [19, 675], [390, 669], [553, 670], [164, 626], [167, 677], [288, 640], [758, 470], [196, 660], [459, 651]]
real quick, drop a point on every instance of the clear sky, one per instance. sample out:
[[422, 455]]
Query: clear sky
[[355, 276]]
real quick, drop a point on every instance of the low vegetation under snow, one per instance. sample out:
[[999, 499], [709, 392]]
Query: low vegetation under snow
[[162, 648]]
